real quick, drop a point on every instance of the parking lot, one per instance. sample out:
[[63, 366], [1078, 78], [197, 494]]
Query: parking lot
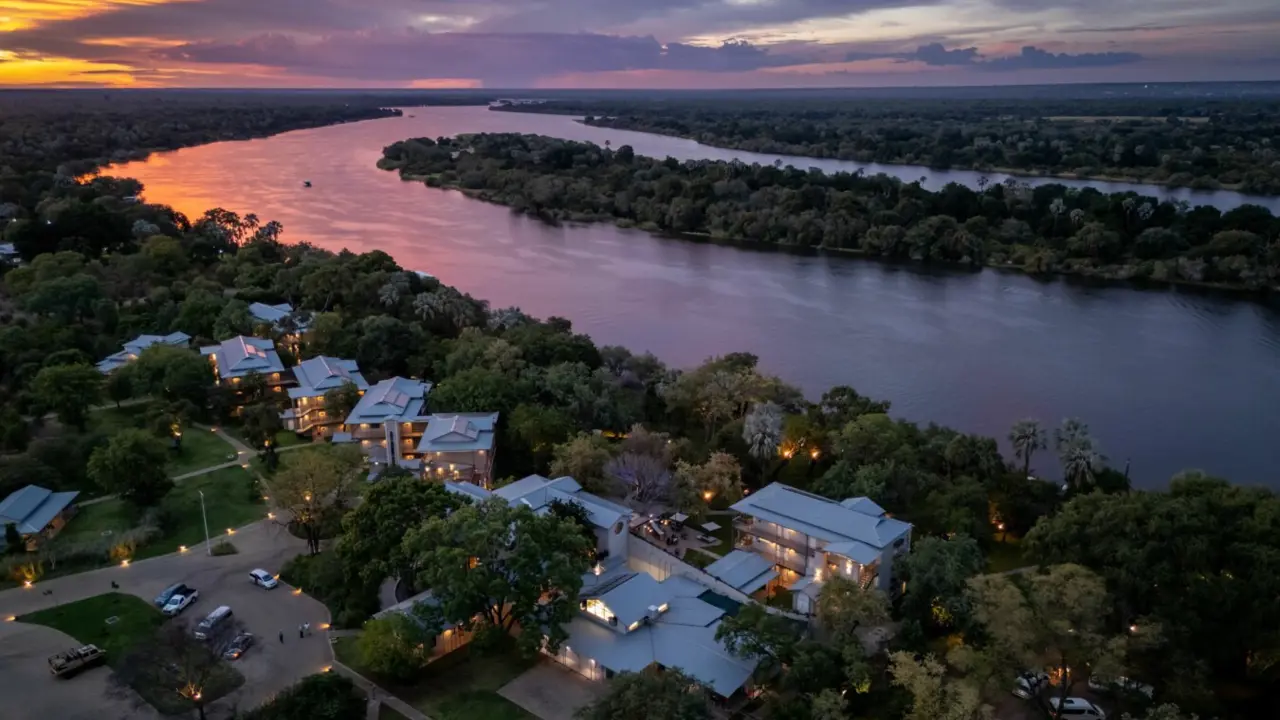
[[269, 666]]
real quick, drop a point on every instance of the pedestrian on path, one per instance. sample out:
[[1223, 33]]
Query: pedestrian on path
[[306, 627], [299, 631], [281, 637]]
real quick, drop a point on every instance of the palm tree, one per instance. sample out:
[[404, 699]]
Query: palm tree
[[1078, 465], [762, 429], [389, 294], [426, 305], [1027, 437], [1076, 452]]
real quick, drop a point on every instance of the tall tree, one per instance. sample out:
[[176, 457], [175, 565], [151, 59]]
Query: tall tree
[[396, 646], [493, 566], [69, 391], [373, 533], [756, 634], [132, 465], [762, 431], [934, 695], [844, 606], [316, 486], [1076, 452], [340, 401], [583, 457], [1027, 437], [649, 695], [172, 373], [936, 572], [1053, 619]]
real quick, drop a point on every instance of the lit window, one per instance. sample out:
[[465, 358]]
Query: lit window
[[599, 609]]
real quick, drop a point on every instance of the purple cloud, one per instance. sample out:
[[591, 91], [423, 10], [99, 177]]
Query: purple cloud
[[1033, 58], [498, 59]]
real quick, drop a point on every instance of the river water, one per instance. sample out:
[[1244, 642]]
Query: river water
[[1165, 379]]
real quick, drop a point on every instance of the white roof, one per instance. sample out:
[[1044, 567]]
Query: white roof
[[133, 348], [822, 517], [242, 355], [396, 399], [323, 373], [539, 492], [458, 432]]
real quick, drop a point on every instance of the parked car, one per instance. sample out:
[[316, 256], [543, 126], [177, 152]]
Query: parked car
[[1029, 684], [263, 578], [239, 646], [180, 601], [1122, 684], [66, 664], [163, 598], [208, 627], [1077, 709]]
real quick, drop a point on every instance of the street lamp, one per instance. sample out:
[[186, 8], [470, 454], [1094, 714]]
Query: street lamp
[[207, 547]]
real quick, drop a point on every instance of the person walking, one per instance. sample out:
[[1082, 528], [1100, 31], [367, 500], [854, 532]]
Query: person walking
[[281, 637], [299, 631]]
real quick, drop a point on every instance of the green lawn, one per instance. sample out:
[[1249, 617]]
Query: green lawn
[[284, 438], [232, 499], [85, 620], [459, 686], [1005, 556], [112, 419], [724, 535], [200, 449]]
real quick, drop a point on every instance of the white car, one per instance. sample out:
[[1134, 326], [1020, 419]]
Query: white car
[[1029, 683], [263, 578], [1077, 709], [1120, 683], [180, 601]]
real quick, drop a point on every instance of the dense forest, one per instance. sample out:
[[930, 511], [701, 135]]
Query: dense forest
[[1047, 229], [1190, 141], [1176, 588]]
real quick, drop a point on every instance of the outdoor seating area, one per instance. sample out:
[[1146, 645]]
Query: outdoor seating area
[[674, 533]]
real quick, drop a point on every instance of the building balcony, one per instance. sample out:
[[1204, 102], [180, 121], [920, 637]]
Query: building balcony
[[785, 557], [746, 526]]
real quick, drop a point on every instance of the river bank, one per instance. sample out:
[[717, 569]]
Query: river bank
[[1052, 232], [1201, 184]]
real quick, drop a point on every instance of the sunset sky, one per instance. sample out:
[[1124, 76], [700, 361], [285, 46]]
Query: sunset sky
[[632, 43]]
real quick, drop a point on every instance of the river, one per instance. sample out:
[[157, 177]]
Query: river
[[1165, 379]]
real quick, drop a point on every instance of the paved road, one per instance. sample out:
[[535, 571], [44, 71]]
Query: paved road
[[268, 668]]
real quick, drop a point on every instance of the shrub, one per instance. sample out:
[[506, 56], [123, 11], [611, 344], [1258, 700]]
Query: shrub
[[327, 696], [395, 646], [324, 578], [223, 548]]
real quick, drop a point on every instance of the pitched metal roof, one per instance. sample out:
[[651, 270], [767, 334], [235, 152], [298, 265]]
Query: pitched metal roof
[[133, 348], [242, 355], [32, 508], [270, 313], [631, 599], [820, 517], [458, 432], [675, 639], [539, 492], [743, 570], [396, 399], [322, 373]]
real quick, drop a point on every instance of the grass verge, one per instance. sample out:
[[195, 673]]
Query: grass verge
[[462, 685]]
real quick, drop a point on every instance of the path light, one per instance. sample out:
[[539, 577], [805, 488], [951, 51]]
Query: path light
[[11, 618], [182, 548], [230, 531], [327, 668], [324, 626], [244, 465], [26, 583], [1133, 628], [271, 516], [297, 591], [708, 495], [264, 497], [124, 563], [814, 454]]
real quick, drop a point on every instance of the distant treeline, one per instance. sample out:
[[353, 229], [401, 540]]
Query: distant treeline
[[1188, 141], [1048, 229]]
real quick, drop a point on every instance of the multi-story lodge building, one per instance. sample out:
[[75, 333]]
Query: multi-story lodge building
[[388, 422], [459, 446], [242, 356], [307, 412], [809, 538]]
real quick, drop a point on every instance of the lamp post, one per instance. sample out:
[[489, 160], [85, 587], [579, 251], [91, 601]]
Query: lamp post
[[207, 547]]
